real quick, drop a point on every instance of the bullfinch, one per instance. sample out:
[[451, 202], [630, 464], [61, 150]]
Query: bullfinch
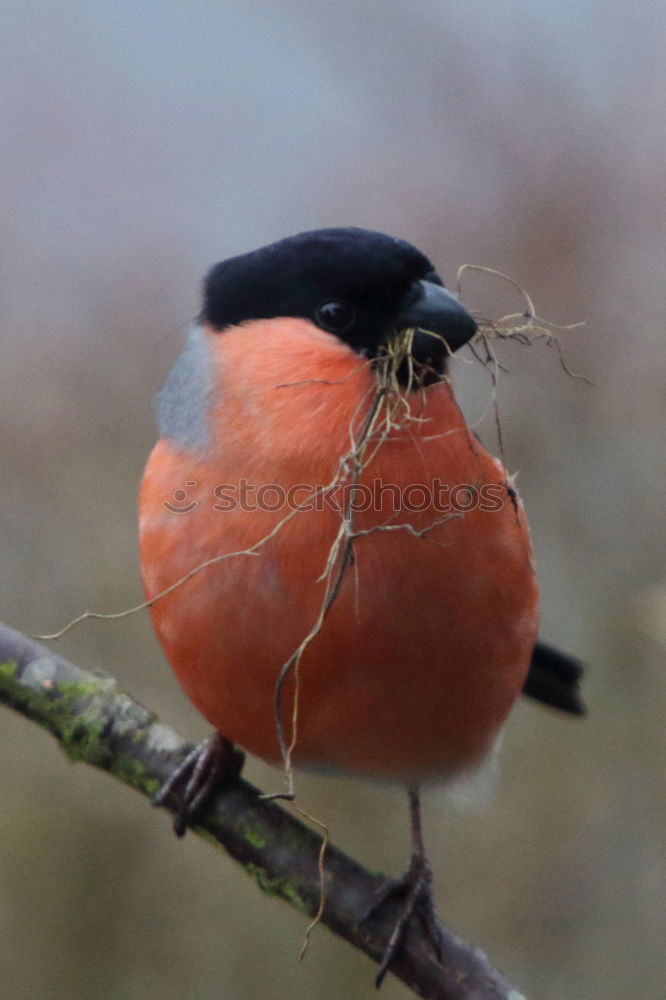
[[341, 575]]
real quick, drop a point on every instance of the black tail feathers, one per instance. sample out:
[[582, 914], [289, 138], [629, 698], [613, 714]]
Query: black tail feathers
[[554, 680]]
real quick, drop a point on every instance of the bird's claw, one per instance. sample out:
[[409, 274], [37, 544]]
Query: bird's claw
[[415, 889], [211, 764]]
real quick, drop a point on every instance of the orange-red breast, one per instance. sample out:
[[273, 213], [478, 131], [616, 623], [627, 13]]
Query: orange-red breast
[[431, 631]]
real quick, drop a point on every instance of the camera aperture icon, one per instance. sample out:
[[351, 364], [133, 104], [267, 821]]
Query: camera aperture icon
[[180, 502]]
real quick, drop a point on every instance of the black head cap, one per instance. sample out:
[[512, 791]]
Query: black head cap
[[358, 284]]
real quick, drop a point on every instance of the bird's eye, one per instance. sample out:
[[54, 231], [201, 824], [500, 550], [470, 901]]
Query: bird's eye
[[334, 315]]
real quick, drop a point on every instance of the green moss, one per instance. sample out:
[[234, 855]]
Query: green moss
[[205, 834], [36, 702], [74, 712], [253, 836], [67, 708], [8, 669], [133, 772], [280, 887], [80, 721]]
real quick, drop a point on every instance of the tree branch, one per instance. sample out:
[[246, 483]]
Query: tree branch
[[94, 721]]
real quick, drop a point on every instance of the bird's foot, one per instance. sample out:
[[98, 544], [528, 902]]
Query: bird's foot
[[415, 892], [213, 763]]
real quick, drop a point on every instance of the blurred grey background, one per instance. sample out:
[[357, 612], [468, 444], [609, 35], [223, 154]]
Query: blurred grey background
[[141, 143]]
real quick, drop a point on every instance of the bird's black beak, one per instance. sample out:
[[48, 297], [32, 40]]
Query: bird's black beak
[[431, 308]]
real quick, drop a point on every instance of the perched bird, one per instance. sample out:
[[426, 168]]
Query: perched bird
[[348, 573]]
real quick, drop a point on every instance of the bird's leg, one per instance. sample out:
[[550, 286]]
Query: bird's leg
[[415, 892], [213, 763]]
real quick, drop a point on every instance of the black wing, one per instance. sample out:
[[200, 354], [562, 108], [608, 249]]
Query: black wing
[[554, 679]]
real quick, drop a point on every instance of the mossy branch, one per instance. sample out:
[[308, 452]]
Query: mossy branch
[[94, 721]]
